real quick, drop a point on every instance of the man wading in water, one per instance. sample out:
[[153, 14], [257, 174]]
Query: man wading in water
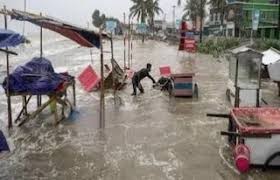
[[138, 76]]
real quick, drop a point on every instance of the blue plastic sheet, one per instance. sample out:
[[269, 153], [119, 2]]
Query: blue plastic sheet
[[3, 143], [35, 77], [9, 38]]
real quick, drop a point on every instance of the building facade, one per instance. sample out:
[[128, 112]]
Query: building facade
[[239, 18]]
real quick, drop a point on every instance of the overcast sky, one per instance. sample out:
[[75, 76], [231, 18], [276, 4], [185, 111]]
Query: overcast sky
[[79, 11]]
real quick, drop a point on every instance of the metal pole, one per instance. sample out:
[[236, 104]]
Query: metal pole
[[253, 14], [131, 47], [124, 44], [113, 69], [102, 102], [10, 122], [278, 19], [201, 17], [24, 7], [174, 18], [41, 39], [128, 37]]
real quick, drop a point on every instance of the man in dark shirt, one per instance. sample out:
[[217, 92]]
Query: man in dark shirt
[[138, 76]]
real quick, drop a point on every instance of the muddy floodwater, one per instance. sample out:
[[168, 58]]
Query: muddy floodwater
[[148, 137]]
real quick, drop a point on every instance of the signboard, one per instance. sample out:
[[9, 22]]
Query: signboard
[[111, 25], [142, 28], [255, 19], [177, 24]]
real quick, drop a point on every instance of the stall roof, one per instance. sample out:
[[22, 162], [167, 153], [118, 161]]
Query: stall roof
[[270, 56], [84, 37], [242, 48]]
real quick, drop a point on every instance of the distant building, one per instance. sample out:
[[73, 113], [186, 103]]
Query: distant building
[[239, 18], [215, 22], [160, 25]]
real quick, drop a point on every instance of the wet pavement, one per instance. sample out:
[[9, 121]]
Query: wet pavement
[[151, 136]]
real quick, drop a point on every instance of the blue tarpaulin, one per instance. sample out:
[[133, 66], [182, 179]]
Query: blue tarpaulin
[[3, 143], [9, 38], [35, 77]]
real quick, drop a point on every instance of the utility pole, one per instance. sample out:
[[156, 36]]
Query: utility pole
[[174, 17]]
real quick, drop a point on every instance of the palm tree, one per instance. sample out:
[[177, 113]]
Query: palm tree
[[179, 2], [220, 6], [139, 9], [152, 10], [194, 9]]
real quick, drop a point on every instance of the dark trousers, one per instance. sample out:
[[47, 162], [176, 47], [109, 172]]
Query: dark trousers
[[136, 84]]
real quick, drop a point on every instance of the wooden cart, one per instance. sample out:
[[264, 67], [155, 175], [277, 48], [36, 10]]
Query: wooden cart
[[182, 85], [254, 135]]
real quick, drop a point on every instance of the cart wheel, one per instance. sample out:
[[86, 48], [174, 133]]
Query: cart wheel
[[195, 91], [228, 94], [170, 88], [268, 161]]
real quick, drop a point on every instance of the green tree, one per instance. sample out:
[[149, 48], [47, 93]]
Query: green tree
[[139, 10], [179, 2], [152, 10], [194, 9], [98, 20]]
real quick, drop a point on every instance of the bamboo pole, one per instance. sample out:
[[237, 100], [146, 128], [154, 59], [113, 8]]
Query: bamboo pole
[[102, 102], [10, 122]]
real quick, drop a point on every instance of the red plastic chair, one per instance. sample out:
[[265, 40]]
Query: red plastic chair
[[89, 79], [165, 71]]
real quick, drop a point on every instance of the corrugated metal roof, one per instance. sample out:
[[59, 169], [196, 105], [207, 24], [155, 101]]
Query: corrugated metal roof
[[270, 56]]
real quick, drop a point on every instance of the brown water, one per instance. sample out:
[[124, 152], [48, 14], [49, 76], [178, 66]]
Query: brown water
[[149, 137]]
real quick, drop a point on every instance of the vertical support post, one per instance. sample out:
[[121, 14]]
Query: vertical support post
[[237, 99], [10, 122], [201, 21], [174, 18], [24, 105], [124, 44], [128, 44], [74, 93], [131, 50], [278, 19], [237, 89], [102, 102], [24, 8], [113, 68], [39, 97]]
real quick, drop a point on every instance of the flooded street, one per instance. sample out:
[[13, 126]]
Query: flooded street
[[148, 137]]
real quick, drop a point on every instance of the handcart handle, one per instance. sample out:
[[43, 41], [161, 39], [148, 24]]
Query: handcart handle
[[227, 133], [218, 115]]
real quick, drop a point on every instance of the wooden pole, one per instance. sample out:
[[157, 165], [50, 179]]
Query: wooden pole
[[10, 122], [102, 102]]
